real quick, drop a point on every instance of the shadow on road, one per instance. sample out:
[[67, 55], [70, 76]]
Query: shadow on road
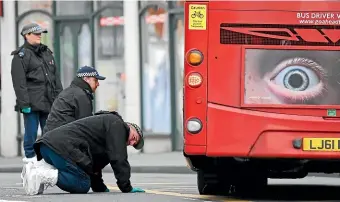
[[299, 193]]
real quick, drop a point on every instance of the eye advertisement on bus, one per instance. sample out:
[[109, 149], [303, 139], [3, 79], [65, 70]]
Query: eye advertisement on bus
[[307, 77]]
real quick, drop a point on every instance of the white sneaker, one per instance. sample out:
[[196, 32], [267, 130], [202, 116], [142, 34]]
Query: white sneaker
[[30, 179], [23, 174], [36, 177], [45, 165], [26, 160]]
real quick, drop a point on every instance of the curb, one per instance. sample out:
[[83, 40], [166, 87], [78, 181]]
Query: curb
[[134, 169]]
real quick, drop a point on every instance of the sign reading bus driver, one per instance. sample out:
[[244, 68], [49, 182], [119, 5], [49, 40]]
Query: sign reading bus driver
[[197, 17]]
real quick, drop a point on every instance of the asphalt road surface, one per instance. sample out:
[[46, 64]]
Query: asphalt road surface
[[177, 188]]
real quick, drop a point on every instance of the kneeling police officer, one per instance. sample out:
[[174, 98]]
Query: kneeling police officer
[[75, 154]]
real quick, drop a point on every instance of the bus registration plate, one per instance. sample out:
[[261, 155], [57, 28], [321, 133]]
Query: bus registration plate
[[321, 144]]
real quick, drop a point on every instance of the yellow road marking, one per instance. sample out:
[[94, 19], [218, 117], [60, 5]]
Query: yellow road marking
[[196, 196], [163, 183]]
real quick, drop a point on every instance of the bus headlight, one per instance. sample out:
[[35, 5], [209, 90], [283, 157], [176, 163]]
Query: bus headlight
[[194, 125]]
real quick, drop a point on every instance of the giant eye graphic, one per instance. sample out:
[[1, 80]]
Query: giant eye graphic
[[297, 80]]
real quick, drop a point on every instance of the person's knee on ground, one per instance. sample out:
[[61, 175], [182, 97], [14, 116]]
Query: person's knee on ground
[[70, 178], [83, 189]]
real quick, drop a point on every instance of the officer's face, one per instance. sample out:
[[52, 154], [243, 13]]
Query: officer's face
[[33, 38], [133, 137], [93, 82]]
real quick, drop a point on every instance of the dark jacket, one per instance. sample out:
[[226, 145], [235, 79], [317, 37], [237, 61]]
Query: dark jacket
[[73, 103], [35, 77], [91, 143]]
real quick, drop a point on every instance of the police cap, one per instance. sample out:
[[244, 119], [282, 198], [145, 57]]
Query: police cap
[[32, 28], [140, 143]]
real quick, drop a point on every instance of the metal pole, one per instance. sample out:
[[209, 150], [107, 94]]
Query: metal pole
[[132, 63], [173, 96]]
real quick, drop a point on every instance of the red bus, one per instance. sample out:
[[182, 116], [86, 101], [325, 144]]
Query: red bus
[[261, 92]]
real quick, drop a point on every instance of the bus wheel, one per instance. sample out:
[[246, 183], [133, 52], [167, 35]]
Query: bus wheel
[[211, 184]]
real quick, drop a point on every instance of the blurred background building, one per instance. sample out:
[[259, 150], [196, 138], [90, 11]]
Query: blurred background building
[[137, 45]]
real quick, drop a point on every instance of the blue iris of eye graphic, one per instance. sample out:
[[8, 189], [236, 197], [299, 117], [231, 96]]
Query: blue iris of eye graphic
[[297, 78]]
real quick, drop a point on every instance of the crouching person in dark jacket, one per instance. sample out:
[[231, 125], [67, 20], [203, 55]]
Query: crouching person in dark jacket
[[75, 154], [75, 101]]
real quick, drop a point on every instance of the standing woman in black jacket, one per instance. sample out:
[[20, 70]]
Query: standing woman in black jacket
[[75, 101], [36, 82]]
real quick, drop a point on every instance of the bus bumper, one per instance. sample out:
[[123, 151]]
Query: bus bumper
[[233, 132]]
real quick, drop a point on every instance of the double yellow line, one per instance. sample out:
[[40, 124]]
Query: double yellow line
[[193, 196]]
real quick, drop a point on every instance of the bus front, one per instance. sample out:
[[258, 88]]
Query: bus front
[[261, 91]]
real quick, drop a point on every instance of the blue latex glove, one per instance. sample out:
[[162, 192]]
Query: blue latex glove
[[136, 189], [26, 110]]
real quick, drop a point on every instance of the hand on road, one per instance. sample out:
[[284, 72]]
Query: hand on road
[[136, 189]]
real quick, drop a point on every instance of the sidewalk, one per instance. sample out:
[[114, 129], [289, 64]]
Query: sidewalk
[[172, 162]]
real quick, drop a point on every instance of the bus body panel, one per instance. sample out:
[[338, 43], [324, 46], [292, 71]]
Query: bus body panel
[[259, 134], [224, 78], [279, 144]]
